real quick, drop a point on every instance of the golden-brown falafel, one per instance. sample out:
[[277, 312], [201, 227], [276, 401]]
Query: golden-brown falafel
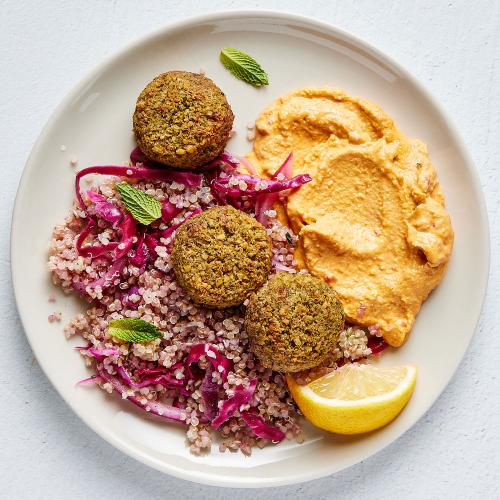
[[293, 322], [221, 256], [182, 120]]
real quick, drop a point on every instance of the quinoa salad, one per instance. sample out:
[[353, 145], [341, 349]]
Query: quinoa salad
[[200, 372], [236, 297]]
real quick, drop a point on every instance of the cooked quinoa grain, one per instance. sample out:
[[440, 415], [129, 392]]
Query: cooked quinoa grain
[[294, 322], [182, 120], [221, 256]]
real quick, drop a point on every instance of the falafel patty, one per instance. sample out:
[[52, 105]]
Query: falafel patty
[[293, 322], [221, 256], [182, 120]]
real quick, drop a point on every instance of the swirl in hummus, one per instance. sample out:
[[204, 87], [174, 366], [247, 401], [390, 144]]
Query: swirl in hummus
[[372, 223]]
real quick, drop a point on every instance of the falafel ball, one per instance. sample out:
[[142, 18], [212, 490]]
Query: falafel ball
[[182, 120], [221, 256], [293, 322]]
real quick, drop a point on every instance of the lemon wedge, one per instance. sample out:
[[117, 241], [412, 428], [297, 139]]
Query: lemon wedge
[[356, 398]]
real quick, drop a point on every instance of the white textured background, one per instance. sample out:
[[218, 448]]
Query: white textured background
[[46, 452]]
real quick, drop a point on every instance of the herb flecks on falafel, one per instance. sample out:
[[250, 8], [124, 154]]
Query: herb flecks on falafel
[[182, 120], [293, 322], [221, 256]]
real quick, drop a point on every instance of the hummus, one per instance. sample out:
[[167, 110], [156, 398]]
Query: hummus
[[372, 222]]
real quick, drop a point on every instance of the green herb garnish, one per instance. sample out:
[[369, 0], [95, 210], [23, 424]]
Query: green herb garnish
[[143, 207], [243, 66], [133, 330], [289, 238]]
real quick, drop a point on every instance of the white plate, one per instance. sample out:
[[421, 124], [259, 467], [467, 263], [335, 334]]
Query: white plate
[[94, 123]]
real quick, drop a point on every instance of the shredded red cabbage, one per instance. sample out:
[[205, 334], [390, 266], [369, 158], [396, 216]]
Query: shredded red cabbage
[[210, 394], [226, 162], [219, 361], [92, 251], [99, 354], [209, 389], [377, 344], [247, 165], [241, 396], [211, 177], [113, 273], [127, 228], [261, 429], [168, 232], [125, 298], [106, 280], [265, 202], [156, 174], [142, 373], [169, 211], [151, 244], [271, 186], [285, 168], [137, 156], [179, 404], [167, 380], [141, 255], [104, 208], [89, 381], [157, 408]]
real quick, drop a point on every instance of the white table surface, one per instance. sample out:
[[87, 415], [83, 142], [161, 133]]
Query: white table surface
[[453, 47]]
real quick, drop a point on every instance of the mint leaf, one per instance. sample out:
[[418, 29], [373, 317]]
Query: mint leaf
[[143, 207], [133, 330], [243, 66]]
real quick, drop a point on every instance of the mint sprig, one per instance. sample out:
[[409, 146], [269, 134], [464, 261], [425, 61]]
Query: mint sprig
[[143, 207], [133, 330], [243, 67]]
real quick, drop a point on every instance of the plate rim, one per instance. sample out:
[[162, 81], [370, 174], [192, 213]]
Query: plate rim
[[221, 15]]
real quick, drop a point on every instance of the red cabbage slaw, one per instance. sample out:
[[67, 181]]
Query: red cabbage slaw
[[210, 393], [169, 211], [125, 224], [104, 208], [227, 408], [99, 354], [226, 162], [168, 232], [268, 186], [133, 172], [377, 344], [266, 202], [261, 429], [127, 230], [116, 251], [264, 192], [166, 379], [241, 396], [163, 410], [218, 360], [216, 411], [89, 381]]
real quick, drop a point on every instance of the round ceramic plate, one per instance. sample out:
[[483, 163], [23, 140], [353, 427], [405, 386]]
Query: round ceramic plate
[[94, 123]]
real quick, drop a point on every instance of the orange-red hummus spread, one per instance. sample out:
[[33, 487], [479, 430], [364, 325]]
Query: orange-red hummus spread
[[372, 222]]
